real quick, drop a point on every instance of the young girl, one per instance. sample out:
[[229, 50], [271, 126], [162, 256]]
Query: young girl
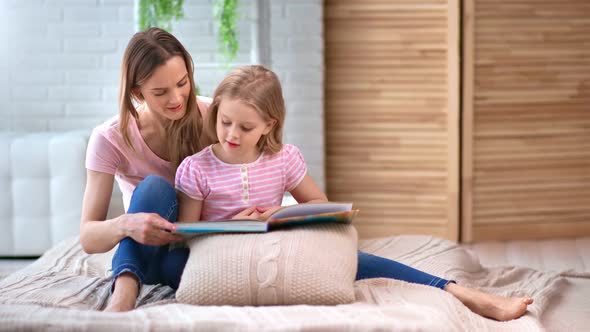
[[248, 166]]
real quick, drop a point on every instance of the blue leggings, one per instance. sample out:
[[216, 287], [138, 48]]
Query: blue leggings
[[158, 264]]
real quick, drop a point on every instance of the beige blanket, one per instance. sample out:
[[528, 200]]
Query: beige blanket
[[65, 289]]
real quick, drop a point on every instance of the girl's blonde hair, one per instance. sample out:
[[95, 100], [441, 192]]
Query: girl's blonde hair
[[146, 51], [260, 89]]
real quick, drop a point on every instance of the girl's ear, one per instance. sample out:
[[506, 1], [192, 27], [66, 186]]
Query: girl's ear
[[269, 125]]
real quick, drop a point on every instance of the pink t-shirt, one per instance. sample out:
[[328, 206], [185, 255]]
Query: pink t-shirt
[[227, 189], [107, 152]]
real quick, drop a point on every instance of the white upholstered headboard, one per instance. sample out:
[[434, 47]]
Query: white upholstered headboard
[[42, 180]]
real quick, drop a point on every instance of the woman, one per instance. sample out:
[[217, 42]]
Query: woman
[[159, 124]]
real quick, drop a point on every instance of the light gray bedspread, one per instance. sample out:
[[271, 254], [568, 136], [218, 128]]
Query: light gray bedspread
[[66, 288]]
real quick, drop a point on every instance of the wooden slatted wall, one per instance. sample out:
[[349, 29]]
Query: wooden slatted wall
[[392, 113], [526, 128]]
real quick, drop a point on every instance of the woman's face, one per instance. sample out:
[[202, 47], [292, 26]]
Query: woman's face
[[166, 92]]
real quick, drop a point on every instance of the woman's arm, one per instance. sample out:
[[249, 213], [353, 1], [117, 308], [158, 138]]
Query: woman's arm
[[98, 234]]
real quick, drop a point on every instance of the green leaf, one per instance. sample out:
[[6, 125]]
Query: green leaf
[[159, 13], [226, 19]]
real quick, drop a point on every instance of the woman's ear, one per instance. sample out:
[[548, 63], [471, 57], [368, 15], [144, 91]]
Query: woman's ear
[[269, 125], [136, 94]]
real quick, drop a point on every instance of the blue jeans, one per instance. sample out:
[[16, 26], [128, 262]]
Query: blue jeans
[[153, 264]]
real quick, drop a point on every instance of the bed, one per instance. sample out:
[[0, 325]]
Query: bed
[[66, 289]]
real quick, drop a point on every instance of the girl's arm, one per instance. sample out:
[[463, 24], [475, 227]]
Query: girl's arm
[[98, 234], [188, 209], [308, 191]]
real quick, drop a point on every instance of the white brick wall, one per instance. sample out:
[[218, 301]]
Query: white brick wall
[[60, 60], [297, 42]]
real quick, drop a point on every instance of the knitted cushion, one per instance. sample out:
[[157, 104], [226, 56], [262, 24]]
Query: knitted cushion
[[303, 265]]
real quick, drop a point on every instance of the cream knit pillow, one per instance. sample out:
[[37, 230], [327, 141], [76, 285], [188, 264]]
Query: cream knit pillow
[[303, 265]]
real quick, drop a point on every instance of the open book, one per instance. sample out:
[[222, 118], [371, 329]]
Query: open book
[[298, 214]]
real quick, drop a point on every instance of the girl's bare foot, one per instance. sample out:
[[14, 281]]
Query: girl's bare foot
[[488, 305], [124, 295]]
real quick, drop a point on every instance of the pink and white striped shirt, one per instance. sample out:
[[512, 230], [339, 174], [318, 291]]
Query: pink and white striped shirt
[[227, 189]]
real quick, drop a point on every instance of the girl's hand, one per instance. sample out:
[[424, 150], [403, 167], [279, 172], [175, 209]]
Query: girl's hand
[[267, 211], [249, 213], [149, 229]]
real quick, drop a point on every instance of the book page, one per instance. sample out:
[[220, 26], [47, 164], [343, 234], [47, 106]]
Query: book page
[[307, 209]]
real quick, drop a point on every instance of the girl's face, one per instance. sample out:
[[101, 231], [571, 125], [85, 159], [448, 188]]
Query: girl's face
[[239, 128], [166, 91]]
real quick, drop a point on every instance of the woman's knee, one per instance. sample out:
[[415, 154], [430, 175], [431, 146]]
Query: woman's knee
[[156, 183], [153, 194]]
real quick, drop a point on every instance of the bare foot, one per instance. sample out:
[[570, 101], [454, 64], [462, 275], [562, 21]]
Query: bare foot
[[124, 295], [489, 305]]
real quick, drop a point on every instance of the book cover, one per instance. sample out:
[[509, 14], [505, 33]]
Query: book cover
[[288, 216]]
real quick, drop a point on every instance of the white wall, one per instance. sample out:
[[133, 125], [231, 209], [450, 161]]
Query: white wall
[[60, 59], [297, 41]]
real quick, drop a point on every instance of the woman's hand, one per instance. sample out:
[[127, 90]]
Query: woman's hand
[[149, 229]]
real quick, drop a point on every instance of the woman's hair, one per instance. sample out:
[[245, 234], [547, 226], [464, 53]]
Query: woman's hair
[[260, 89], [146, 51]]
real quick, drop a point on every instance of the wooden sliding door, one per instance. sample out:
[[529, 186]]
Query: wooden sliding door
[[526, 119], [392, 113]]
